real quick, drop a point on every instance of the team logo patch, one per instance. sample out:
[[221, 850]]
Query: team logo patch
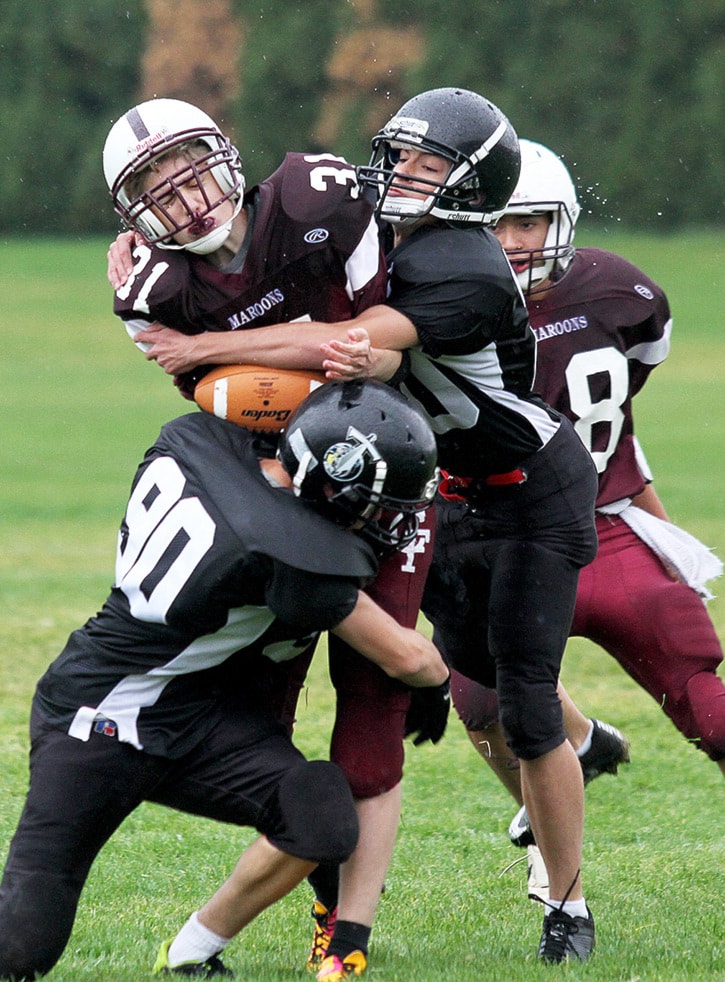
[[644, 291], [316, 235]]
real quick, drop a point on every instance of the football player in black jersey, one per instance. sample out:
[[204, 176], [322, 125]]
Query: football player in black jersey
[[602, 326], [301, 246], [457, 337], [160, 696]]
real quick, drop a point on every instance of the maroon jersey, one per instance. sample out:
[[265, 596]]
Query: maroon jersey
[[311, 253], [600, 331]]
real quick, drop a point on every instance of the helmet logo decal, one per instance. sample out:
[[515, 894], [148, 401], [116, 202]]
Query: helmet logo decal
[[644, 291], [345, 461], [407, 124], [316, 235]]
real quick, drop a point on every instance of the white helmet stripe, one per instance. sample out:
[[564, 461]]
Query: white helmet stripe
[[486, 147], [483, 151]]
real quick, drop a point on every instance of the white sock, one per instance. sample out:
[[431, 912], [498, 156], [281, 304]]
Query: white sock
[[587, 743], [574, 908], [195, 943]]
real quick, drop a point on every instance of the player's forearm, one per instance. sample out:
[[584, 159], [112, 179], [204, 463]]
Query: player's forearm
[[298, 344], [402, 653], [280, 346]]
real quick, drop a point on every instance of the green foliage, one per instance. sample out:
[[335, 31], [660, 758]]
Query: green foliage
[[618, 89], [628, 93], [80, 405], [283, 79], [67, 68]]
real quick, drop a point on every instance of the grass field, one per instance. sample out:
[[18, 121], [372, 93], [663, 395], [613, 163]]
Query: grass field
[[79, 407]]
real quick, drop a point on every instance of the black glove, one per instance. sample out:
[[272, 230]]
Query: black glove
[[428, 713]]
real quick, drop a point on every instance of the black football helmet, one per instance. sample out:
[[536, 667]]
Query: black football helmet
[[364, 456], [466, 129]]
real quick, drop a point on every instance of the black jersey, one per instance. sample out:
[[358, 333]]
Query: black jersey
[[472, 374], [601, 329], [311, 253], [212, 562]]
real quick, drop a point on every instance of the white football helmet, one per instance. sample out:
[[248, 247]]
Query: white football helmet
[[545, 187], [144, 134]]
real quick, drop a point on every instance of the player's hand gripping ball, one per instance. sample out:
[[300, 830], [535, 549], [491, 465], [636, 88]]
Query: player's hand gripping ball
[[260, 399]]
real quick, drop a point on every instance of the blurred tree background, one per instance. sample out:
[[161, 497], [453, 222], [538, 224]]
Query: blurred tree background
[[629, 93]]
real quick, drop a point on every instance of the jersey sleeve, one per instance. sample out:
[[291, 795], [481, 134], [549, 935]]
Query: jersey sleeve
[[308, 602], [320, 192], [159, 289], [456, 288], [646, 324]]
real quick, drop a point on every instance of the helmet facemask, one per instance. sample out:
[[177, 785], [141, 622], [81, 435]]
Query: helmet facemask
[[149, 211], [457, 199], [550, 261], [141, 141], [545, 188]]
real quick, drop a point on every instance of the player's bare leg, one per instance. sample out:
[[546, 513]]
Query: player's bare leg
[[263, 875], [553, 790], [491, 745], [362, 877]]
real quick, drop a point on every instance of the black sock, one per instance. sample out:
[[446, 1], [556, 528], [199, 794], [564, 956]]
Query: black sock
[[348, 937], [324, 881]]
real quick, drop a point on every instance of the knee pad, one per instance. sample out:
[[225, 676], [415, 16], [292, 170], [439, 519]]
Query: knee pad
[[313, 814], [531, 717]]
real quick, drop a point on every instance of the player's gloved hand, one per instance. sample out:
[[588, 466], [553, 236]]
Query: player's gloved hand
[[427, 716]]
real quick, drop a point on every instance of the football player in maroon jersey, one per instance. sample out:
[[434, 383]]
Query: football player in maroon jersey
[[602, 326], [460, 346], [161, 695], [303, 245]]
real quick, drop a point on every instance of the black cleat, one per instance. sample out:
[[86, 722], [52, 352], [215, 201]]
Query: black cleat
[[565, 937]]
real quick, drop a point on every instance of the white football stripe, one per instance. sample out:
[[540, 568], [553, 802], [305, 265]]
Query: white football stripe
[[220, 397]]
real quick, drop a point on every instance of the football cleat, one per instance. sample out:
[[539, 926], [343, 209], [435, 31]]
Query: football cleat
[[213, 967], [538, 877], [335, 969], [322, 934], [520, 831], [565, 937], [609, 749]]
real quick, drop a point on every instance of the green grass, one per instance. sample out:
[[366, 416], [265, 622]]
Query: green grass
[[79, 406]]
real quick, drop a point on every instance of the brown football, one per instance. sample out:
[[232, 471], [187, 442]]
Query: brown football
[[260, 399]]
